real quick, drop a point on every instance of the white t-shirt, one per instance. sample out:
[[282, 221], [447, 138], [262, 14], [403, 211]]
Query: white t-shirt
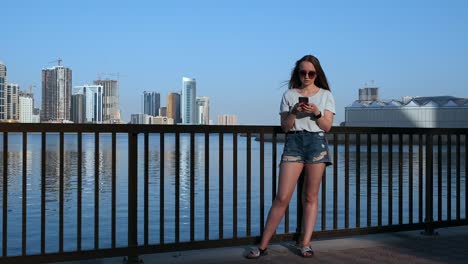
[[323, 99]]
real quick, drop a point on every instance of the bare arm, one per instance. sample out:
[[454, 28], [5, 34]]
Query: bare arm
[[288, 118], [287, 121]]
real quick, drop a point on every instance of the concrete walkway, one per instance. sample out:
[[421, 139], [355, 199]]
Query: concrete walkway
[[449, 246]]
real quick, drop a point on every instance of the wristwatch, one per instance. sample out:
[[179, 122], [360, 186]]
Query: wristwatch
[[318, 116]]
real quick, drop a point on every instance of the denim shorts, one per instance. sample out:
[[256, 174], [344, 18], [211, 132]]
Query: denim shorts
[[306, 147]]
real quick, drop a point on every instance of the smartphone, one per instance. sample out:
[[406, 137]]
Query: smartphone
[[303, 99]]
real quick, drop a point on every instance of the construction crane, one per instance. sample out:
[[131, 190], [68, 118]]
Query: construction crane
[[117, 74], [31, 87], [59, 61]]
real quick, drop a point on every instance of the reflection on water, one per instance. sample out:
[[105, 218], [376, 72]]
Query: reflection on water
[[104, 165]]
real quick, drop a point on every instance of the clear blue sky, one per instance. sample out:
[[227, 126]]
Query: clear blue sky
[[241, 52]]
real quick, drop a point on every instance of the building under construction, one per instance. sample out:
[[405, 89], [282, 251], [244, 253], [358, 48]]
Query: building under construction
[[56, 94], [110, 100]]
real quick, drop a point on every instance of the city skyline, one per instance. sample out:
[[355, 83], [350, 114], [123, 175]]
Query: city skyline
[[97, 103], [242, 53]]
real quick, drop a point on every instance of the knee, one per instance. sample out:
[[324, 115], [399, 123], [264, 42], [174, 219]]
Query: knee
[[281, 201], [311, 198]]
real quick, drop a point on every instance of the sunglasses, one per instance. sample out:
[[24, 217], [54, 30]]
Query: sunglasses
[[311, 74]]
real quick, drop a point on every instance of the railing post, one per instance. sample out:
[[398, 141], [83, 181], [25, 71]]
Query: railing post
[[429, 221], [5, 196], [132, 197]]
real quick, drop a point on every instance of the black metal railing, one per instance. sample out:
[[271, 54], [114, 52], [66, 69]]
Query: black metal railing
[[372, 179]]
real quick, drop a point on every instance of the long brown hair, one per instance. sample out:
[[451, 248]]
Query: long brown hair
[[320, 80]]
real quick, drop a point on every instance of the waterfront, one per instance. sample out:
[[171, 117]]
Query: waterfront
[[105, 164]]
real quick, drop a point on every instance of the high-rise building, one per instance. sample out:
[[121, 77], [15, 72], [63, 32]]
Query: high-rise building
[[25, 107], [3, 82], [227, 120], [56, 94], [93, 102], [203, 110], [162, 111], [151, 103], [110, 100], [78, 108], [26, 111], [189, 93], [173, 107], [12, 91]]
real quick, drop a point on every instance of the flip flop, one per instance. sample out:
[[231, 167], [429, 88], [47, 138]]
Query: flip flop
[[257, 253], [307, 252]]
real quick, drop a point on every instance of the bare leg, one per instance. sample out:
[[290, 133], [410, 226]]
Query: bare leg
[[312, 180], [289, 173]]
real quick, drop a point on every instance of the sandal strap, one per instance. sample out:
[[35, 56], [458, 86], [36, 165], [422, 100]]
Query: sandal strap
[[305, 249], [255, 253]]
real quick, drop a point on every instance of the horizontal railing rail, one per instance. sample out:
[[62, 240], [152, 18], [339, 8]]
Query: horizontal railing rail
[[180, 187]]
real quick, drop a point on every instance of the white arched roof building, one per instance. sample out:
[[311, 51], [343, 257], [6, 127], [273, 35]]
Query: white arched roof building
[[428, 111]]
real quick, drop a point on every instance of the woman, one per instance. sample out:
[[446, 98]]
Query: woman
[[306, 148]]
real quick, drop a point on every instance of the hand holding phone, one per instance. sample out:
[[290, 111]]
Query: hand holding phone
[[304, 99]]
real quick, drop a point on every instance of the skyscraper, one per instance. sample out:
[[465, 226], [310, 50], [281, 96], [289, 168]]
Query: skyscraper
[[203, 110], [173, 107], [56, 94], [151, 103], [189, 93], [78, 108], [163, 111], [12, 102], [110, 100], [3, 81], [25, 107], [93, 102]]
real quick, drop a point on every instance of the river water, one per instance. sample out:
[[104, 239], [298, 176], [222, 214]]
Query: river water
[[105, 187]]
